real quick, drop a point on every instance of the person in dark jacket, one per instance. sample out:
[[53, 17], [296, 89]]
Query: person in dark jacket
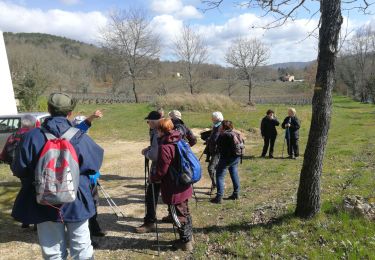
[[73, 217], [291, 124], [151, 154], [175, 195], [228, 159], [186, 133], [269, 132], [213, 153]]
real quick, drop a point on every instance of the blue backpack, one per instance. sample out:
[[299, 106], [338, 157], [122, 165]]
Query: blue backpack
[[190, 170]]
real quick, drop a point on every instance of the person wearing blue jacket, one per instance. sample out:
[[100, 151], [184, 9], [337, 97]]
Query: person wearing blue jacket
[[73, 217], [84, 124]]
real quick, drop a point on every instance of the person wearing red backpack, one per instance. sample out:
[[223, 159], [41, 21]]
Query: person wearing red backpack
[[175, 195], [59, 226], [228, 159]]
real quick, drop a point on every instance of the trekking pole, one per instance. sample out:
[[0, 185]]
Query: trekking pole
[[195, 197], [156, 222], [111, 203], [200, 157], [147, 171], [146, 176], [282, 154]]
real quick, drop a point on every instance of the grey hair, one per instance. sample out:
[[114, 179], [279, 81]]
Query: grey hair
[[28, 121]]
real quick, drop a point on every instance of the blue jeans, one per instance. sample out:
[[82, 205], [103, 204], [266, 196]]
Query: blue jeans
[[54, 240], [221, 171]]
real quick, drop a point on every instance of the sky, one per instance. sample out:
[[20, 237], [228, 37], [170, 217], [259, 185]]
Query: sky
[[83, 20]]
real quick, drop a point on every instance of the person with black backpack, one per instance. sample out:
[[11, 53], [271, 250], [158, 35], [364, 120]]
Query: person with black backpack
[[269, 132], [230, 145], [28, 122]]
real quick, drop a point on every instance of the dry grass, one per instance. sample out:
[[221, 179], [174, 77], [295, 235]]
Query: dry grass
[[197, 103]]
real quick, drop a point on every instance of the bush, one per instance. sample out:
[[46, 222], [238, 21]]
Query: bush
[[196, 103]]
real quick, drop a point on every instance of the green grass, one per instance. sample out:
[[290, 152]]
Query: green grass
[[261, 224]]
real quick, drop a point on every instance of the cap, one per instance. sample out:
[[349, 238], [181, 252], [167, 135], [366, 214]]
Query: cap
[[175, 114], [153, 115], [61, 103]]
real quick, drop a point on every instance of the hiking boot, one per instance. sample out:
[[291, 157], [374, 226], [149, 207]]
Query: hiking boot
[[188, 246], [145, 228], [98, 233], [216, 200], [167, 219], [25, 225], [94, 244], [271, 156], [232, 197], [263, 156]]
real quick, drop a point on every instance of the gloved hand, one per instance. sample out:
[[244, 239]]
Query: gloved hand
[[94, 178]]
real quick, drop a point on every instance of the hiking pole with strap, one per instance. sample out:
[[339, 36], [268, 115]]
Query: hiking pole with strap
[[147, 166], [111, 203]]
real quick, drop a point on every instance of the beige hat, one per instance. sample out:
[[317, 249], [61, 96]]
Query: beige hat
[[175, 114]]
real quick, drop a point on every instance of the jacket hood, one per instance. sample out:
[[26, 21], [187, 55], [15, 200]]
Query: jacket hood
[[57, 125], [172, 137], [177, 121]]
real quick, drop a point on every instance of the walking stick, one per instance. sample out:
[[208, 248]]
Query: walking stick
[[147, 167], [111, 203], [195, 197]]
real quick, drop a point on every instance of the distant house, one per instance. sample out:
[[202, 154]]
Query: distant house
[[287, 78]]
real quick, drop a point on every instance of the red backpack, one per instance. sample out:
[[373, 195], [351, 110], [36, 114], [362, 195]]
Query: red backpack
[[57, 171]]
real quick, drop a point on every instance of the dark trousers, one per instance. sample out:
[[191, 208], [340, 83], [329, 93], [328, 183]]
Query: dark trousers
[[150, 207], [93, 223], [269, 141], [212, 165], [182, 220], [293, 146]]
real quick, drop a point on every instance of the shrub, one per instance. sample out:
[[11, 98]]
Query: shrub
[[196, 103]]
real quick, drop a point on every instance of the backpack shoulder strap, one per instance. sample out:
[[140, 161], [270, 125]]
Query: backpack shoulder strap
[[48, 135], [70, 133]]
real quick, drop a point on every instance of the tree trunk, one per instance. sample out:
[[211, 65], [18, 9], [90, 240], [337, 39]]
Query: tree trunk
[[308, 196], [250, 86], [135, 91]]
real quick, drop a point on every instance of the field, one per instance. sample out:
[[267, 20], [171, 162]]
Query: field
[[261, 224]]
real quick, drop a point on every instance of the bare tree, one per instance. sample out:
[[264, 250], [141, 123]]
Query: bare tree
[[192, 51], [231, 81], [129, 36], [308, 196], [247, 55]]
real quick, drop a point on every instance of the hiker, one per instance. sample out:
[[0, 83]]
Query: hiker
[[269, 132], [292, 125], [186, 133], [151, 153], [83, 123], [52, 220], [228, 159], [28, 122], [174, 194], [213, 153]]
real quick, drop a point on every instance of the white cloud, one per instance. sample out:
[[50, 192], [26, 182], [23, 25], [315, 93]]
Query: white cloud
[[166, 6], [70, 2], [175, 8], [76, 25], [189, 12]]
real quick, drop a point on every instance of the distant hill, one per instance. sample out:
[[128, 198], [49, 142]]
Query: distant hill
[[82, 68], [292, 65]]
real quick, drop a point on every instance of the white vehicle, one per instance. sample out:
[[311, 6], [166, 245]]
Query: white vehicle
[[9, 124]]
